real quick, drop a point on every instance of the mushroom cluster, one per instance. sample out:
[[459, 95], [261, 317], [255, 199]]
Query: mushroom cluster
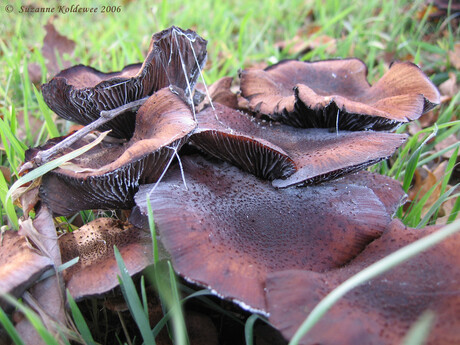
[[260, 195]]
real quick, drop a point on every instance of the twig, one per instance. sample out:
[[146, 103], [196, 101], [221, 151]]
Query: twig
[[105, 116]]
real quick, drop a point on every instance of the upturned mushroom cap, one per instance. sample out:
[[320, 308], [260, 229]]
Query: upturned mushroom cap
[[20, 265], [382, 310], [219, 92], [97, 270], [291, 156], [80, 93], [228, 229], [108, 175], [335, 93]]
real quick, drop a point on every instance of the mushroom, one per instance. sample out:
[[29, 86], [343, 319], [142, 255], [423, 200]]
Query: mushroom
[[108, 175], [219, 92], [80, 93], [229, 229], [291, 156], [336, 94], [20, 265], [97, 270], [382, 310]]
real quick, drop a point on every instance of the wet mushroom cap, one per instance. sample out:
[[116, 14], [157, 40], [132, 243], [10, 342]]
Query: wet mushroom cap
[[20, 265], [80, 93], [291, 156], [97, 270], [382, 310], [228, 229], [336, 93], [219, 92], [108, 175], [388, 190]]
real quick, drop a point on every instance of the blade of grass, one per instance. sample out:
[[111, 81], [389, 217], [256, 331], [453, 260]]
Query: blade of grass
[[420, 330], [371, 272], [43, 169], [80, 321], [249, 329], [34, 319], [413, 160], [49, 121], [159, 326], [8, 206], [444, 197], [448, 173], [144, 297], [455, 211], [180, 330], [9, 328], [132, 299], [156, 255]]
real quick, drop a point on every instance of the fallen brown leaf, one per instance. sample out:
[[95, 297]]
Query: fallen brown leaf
[[447, 207], [423, 184], [449, 88], [308, 39], [450, 140], [54, 47], [454, 56]]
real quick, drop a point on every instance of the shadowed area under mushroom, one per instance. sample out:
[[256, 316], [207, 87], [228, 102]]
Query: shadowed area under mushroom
[[97, 270], [292, 156], [108, 175], [336, 93], [80, 93], [382, 310], [228, 229]]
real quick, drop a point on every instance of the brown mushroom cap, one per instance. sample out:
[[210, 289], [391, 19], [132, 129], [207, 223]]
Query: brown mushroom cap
[[97, 270], [294, 156], [108, 175], [219, 92], [80, 93], [334, 93], [382, 310], [20, 265], [228, 229]]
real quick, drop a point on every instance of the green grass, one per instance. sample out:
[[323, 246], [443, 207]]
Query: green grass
[[240, 34]]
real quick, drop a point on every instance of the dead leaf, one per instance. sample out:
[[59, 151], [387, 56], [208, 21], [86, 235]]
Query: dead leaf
[[20, 265], [454, 56], [450, 140], [427, 120], [54, 47], [48, 295], [6, 173], [426, 10], [423, 184], [307, 39], [449, 88], [447, 207]]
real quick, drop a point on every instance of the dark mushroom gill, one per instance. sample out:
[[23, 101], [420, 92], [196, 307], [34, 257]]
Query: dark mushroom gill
[[80, 93], [336, 93]]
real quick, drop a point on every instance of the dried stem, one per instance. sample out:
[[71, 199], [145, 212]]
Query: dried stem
[[106, 115]]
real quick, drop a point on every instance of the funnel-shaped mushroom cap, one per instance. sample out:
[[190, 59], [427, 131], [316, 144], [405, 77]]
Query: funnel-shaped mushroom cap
[[294, 156], [108, 175], [335, 93], [80, 93], [382, 310], [20, 265], [97, 270], [228, 229]]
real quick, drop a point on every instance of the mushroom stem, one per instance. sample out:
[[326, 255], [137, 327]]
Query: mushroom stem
[[106, 115]]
